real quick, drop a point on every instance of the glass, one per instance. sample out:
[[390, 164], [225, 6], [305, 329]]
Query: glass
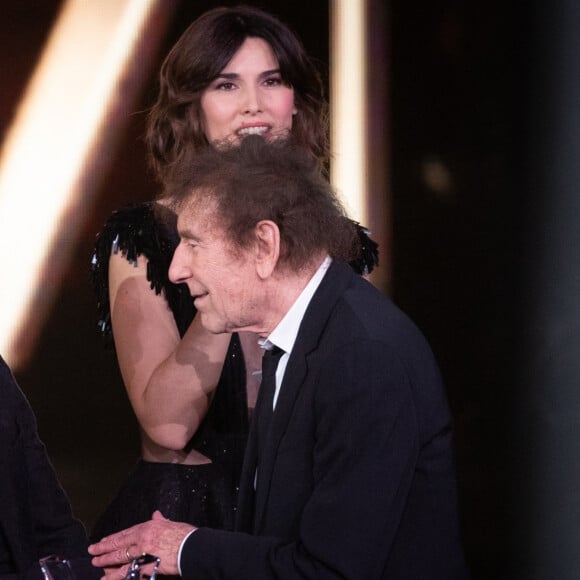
[[134, 572], [55, 568]]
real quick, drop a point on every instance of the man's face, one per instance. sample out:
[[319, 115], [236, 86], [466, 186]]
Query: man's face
[[223, 283]]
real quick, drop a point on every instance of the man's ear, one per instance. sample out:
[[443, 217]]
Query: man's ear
[[267, 247]]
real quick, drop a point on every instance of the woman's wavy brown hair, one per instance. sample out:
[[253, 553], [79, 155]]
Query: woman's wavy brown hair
[[200, 54]]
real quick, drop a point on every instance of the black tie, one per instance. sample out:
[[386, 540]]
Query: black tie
[[265, 403]]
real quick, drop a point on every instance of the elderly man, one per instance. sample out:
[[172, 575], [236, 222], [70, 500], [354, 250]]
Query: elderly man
[[349, 470]]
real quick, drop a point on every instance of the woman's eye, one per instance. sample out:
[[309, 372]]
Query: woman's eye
[[225, 86], [273, 82]]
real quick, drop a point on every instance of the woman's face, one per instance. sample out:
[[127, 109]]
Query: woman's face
[[248, 96]]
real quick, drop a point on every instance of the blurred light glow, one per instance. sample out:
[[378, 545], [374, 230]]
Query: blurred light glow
[[348, 100], [50, 142], [437, 177]]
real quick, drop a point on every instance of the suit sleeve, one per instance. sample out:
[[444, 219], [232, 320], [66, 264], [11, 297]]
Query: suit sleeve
[[364, 456], [55, 529], [43, 516]]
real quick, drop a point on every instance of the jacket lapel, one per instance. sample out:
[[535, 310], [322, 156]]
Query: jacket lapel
[[311, 328]]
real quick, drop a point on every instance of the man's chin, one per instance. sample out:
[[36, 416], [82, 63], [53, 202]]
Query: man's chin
[[212, 325]]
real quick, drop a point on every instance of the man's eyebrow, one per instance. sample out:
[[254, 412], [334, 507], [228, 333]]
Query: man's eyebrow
[[186, 234]]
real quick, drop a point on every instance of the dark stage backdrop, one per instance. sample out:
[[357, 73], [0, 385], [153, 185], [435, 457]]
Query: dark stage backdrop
[[459, 77]]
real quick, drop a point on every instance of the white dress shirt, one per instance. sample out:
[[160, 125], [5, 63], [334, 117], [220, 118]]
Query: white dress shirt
[[284, 335]]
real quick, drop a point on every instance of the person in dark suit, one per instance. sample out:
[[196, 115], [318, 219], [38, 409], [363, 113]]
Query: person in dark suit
[[353, 475], [36, 520]]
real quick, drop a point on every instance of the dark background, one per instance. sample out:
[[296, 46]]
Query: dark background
[[487, 266]]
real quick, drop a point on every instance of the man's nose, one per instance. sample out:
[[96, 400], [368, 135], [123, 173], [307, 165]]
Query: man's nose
[[178, 270]]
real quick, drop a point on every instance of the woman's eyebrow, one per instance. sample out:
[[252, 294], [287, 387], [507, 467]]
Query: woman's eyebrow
[[233, 76]]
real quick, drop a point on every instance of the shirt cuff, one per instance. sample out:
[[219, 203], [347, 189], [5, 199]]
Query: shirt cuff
[[181, 549]]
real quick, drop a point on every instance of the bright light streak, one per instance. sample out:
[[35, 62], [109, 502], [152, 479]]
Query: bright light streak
[[50, 145], [348, 99]]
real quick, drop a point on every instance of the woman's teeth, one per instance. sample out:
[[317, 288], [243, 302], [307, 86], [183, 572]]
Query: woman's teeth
[[252, 131]]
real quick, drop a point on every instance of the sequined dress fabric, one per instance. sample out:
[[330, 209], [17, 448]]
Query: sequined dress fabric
[[203, 495]]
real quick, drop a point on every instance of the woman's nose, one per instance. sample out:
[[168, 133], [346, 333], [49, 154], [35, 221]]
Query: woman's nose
[[251, 101]]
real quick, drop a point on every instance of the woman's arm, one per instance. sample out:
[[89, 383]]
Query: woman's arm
[[169, 380]]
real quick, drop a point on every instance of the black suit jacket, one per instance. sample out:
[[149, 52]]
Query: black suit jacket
[[357, 479], [35, 514]]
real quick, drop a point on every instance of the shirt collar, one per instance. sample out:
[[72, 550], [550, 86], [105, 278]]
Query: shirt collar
[[285, 333]]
